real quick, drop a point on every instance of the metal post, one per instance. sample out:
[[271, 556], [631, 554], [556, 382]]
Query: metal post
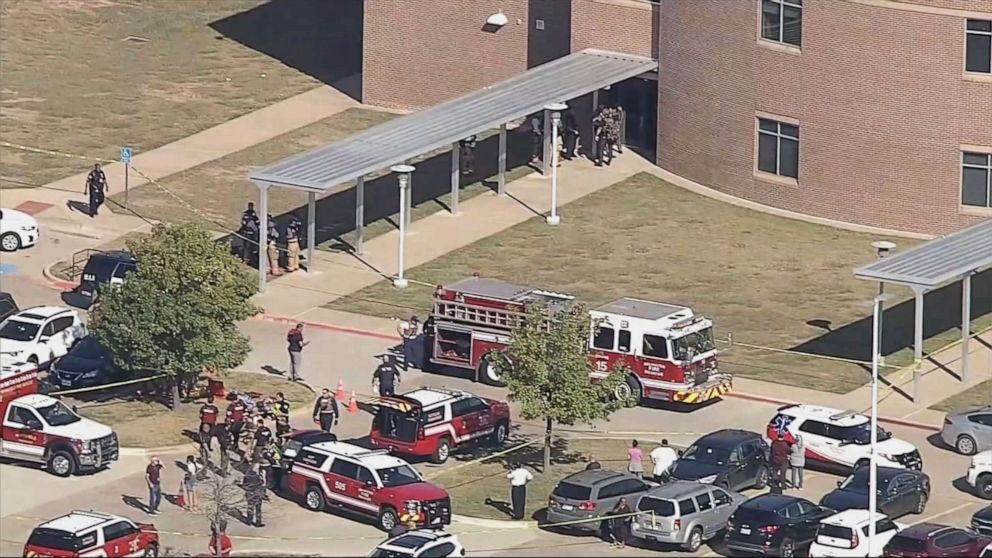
[[403, 172], [547, 142], [311, 229], [555, 110], [409, 200], [873, 455], [917, 342], [263, 234], [359, 215], [965, 324], [126, 189], [882, 248], [501, 184], [455, 177]]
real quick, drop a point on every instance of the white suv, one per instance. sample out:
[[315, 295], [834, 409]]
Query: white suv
[[980, 474], [41, 334], [840, 439], [846, 534], [420, 543]]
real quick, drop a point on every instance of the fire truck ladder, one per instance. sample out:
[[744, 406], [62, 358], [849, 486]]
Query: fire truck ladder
[[480, 315]]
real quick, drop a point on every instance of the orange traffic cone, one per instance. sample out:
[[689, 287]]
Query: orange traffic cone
[[352, 404], [340, 394]]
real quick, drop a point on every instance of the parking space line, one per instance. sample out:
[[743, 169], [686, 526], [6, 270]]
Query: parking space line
[[943, 513]]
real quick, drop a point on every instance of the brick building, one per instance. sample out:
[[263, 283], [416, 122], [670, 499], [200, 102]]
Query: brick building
[[876, 112]]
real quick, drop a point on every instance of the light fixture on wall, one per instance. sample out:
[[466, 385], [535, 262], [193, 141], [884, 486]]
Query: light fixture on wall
[[498, 19]]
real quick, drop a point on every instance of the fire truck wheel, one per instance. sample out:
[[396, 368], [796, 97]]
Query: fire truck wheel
[[61, 463], [151, 551], [488, 373], [499, 434], [387, 519], [313, 498], [629, 392], [441, 452]]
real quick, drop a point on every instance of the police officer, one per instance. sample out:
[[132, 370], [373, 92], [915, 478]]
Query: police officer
[[225, 442], [235, 419], [270, 466], [293, 243], [208, 419], [96, 186], [387, 375], [570, 129], [261, 439], [273, 248], [280, 406], [600, 126], [467, 155], [325, 411], [249, 232], [254, 488]]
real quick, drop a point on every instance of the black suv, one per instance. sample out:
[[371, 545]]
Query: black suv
[[730, 459], [774, 524], [103, 268], [8, 307], [981, 522], [900, 492]]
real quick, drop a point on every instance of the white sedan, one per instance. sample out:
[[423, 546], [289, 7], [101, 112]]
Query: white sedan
[[17, 230]]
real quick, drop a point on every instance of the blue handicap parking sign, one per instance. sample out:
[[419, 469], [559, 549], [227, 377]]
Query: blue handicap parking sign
[[126, 155]]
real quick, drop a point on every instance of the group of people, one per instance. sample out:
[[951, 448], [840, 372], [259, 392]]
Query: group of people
[[249, 233], [607, 124], [787, 458]]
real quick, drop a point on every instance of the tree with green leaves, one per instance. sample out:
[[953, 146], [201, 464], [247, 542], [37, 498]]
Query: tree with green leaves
[[547, 370], [178, 313]]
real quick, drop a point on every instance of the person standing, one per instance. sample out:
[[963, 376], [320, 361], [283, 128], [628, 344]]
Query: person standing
[[779, 461], [249, 233], [325, 411], [224, 443], [220, 543], [409, 331], [261, 439], [190, 472], [235, 419], [96, 187], [620, 523], [208, 419], [254, 488], [153, 478], [635, 460], [536, 139], [600, 125], [272, 249], [467, 155], [293, 243], [797, 462], [570, 130], [386, 376], [296, 343], [663, 458], [519, 478]]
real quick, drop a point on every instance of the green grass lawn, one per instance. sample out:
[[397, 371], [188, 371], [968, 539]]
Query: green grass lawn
[[771, 281], [975, 397], [73, 81]]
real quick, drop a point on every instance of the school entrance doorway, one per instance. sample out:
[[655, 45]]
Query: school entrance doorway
[[639, 98]]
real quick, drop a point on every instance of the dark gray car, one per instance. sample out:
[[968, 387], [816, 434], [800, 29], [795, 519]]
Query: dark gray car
[[589, 494], [968, 431]]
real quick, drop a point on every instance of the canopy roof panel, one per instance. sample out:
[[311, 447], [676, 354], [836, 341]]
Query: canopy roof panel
[[408, 136], [937, 261]]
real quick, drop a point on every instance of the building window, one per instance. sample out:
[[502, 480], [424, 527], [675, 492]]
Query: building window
[[976, 179], [778, 148], [978, 46], [782, 21]]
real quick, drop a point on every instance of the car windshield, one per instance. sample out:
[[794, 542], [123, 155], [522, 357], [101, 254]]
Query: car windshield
[[707, 454], [858, 482], [58, 414], [88, 348], [398, 476], [859, 434], [16, 330], [693, 344]]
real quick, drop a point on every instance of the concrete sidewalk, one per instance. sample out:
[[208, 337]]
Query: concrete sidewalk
[[340, 274]]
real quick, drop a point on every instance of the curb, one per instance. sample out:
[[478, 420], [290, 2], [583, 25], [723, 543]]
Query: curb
[[53, 281], [493, 523]]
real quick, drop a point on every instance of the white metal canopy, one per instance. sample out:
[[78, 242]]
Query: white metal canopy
[[407, 137]]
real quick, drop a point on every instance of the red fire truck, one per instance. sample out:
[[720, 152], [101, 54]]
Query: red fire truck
[[668, 350], [41, 429]]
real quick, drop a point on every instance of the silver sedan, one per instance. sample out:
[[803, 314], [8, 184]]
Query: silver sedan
[[968, 431]]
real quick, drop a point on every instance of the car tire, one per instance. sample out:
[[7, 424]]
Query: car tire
[[921, 504], [61, 463], [499, 434], [10, 242], [965, 445], [487, 372], [787, 549], [629, 392], [983, 486], [761, 479], [151, 551], [694, 541], [313, 499], [441, 452], [387, 519]]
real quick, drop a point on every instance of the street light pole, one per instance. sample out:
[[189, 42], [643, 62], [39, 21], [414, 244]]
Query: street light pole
[[873, 455], [403, 176], [882, 247], [555, 109]]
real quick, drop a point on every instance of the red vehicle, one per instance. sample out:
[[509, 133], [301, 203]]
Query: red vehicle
[[370, 482], [932, 540], [89, 533], [429, 422], [41, 429], [667, 349]]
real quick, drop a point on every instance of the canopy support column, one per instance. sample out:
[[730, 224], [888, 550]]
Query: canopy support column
[[455, 177], [403, 173], [501, 181], [359, 215], [409, 201], [546, 139], [263, 234], [917, 341], [311, 229], [965, 324]]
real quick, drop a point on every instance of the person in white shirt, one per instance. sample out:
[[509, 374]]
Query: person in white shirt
[[519, 478], [663, 457]]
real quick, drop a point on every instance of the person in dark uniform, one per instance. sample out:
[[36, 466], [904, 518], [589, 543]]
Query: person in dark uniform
[[261, 439], [254, 488], [249, 233], [280, 407], [325, 411], [224, 441], [293, 230], [570, 130], [235, 419], [601, 131], [208, 420], [96, 188], [467, 155], [387, 376]]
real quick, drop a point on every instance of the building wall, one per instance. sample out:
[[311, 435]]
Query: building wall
[[878, 92], [621, 25]]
